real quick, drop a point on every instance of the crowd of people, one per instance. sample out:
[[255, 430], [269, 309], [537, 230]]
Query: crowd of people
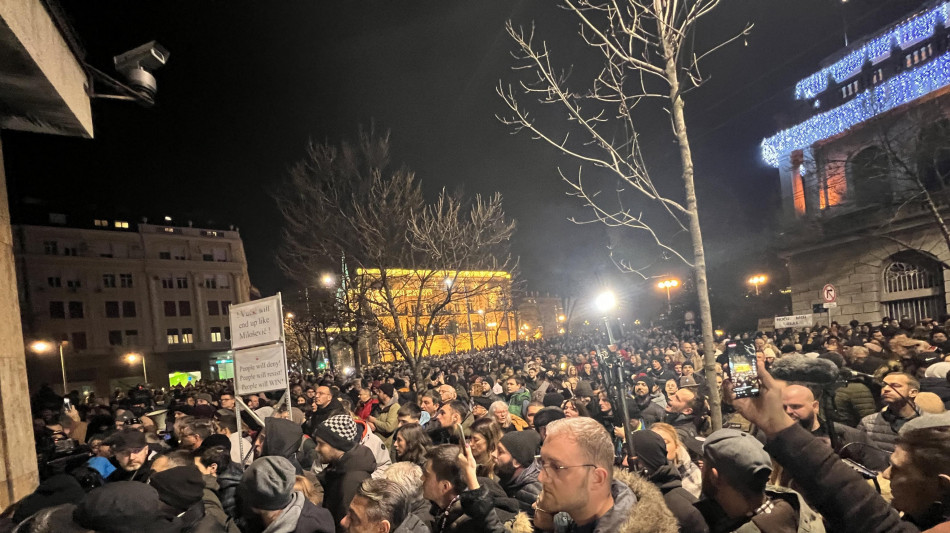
[[557, 435]]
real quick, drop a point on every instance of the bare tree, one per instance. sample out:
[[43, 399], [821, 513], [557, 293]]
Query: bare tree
[[410, 259], [648, 56]]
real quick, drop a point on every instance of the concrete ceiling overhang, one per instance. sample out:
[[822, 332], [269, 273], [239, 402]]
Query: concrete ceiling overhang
[[42, 82]]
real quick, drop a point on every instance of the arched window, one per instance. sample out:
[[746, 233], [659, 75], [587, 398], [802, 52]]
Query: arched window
[[913, 286], [933, 155], [870, 177]]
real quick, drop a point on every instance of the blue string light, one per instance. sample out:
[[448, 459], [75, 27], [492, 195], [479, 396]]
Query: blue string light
[[899, 90], [904, 35]]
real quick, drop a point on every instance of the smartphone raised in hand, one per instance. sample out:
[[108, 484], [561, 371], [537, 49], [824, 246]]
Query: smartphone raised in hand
[[743, 370]]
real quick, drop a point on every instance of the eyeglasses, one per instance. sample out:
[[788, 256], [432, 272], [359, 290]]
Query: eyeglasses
[[551, 470]]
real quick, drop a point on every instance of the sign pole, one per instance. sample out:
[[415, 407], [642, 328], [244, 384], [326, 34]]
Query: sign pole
[[283, 347]]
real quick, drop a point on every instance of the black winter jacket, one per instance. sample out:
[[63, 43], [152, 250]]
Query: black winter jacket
[[679, 500], [342, 478]]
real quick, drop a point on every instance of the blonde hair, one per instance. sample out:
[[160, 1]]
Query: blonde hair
[[670, 432], [500, 405], [309, 491]]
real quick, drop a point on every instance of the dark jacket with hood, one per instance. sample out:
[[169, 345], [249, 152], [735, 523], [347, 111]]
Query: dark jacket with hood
[[525, 487], [487, 509], [282, 438], [679, 500], [342, 478], [228, 481]]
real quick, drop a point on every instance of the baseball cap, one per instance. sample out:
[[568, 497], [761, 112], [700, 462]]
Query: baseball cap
[[738, 456], [127, 439]]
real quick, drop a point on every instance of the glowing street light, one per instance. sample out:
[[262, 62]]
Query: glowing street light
[[756, 281], [605, 302], [46, 347], [132, 357], [289, 316], [327, 280], [668, 284], [561, 318]]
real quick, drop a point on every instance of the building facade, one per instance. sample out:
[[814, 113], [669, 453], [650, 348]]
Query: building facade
[[441, 311], [116, 288], [864, 175]]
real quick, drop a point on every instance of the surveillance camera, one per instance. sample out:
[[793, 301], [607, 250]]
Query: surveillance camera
[[137, 63]]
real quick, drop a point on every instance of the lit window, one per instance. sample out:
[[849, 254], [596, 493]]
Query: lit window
[[187, 336], [169, 230], [121, 224], [216, 334], [172, 336], [101, 223]]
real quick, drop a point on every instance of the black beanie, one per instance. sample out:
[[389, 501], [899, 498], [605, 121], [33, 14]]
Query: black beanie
[[215, 440], [650, 449], [553, 399], [483, 401], [118, 507], [522, 445], [180, 487]]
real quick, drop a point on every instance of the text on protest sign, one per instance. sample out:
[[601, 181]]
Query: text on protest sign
[[260, 369], [794, 321], [257, 322]]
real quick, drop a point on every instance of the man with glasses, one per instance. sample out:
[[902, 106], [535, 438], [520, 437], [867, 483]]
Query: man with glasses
[[227, 401], [447, 393], [581, 492], [324, 406]]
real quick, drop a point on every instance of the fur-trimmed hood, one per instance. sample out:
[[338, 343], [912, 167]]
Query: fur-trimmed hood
[[650, 514]]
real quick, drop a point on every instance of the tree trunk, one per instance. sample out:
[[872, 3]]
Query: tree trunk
[[699, 254]]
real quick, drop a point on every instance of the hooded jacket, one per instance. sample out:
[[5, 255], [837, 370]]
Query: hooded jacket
[[342, 478], [639, 507], [375, 444], [678, 499], [300, 516], [213, 507], [525, 487], [282, 438]]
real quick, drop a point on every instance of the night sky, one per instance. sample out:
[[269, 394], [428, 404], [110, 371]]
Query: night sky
[[248, 83]]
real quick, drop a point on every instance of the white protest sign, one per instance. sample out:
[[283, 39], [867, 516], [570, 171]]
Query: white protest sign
[[260, 369], [257, 322], [794, 321]]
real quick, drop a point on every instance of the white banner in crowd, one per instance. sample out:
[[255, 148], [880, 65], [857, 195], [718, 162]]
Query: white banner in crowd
[[794, 321], [259, 369], [256, 322]]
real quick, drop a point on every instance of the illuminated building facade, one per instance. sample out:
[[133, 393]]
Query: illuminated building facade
[[440, 311], [849, 172]]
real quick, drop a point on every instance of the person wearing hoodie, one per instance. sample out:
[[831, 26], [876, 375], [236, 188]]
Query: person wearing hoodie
[[272, 505], [282, 438], [651, 463], [349, 464]]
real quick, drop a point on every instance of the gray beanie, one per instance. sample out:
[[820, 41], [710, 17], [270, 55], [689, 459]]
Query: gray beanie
[[268, 484]]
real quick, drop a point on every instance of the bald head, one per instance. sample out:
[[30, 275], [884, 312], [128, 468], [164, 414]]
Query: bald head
[[800, 404]]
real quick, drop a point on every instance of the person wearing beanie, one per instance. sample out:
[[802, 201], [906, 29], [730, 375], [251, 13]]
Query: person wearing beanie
[[181, 490], [271, 504], [386, 423], [516, 468], [651, 411], [480, 405], [650, 462], [349, 463]]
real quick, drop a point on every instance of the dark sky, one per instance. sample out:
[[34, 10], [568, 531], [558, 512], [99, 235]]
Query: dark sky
[[248, 82]]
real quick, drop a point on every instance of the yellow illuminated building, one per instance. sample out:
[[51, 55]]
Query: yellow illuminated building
[[439, 311]]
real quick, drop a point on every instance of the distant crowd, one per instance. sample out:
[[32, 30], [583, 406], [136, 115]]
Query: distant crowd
[[848, 431]]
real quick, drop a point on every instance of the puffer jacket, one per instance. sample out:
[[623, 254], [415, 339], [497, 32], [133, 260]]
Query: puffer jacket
[[638, 508], [228, 482], [853, 402], [387, 422], [881, 429], [213, 507]]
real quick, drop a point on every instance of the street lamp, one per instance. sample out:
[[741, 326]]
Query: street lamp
[[46, 347], [327, 280], [668, 284], [289, 316], [133, 357], [605, 302], [756, 281]]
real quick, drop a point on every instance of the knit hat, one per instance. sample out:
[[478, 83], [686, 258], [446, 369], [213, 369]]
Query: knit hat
[[338, 431], [203, 396], [522, 445], [388, 389], [650, 449], [180, 487], [120, 507], [268, 484], [483, 401], [647, 380]]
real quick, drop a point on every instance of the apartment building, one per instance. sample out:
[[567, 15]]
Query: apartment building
[[112, 292]]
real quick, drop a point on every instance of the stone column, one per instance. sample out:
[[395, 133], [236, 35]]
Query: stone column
[[18, 471]]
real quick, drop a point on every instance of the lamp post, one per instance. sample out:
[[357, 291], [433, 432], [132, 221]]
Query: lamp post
[[46, 347], [756, 281], [132, 357], [668, 284], [605, 303]]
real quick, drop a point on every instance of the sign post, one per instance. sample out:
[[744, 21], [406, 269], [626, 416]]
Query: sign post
[[260, 351], [829, 295]]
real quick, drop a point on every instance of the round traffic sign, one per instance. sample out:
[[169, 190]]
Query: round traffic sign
[[829, 293]]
